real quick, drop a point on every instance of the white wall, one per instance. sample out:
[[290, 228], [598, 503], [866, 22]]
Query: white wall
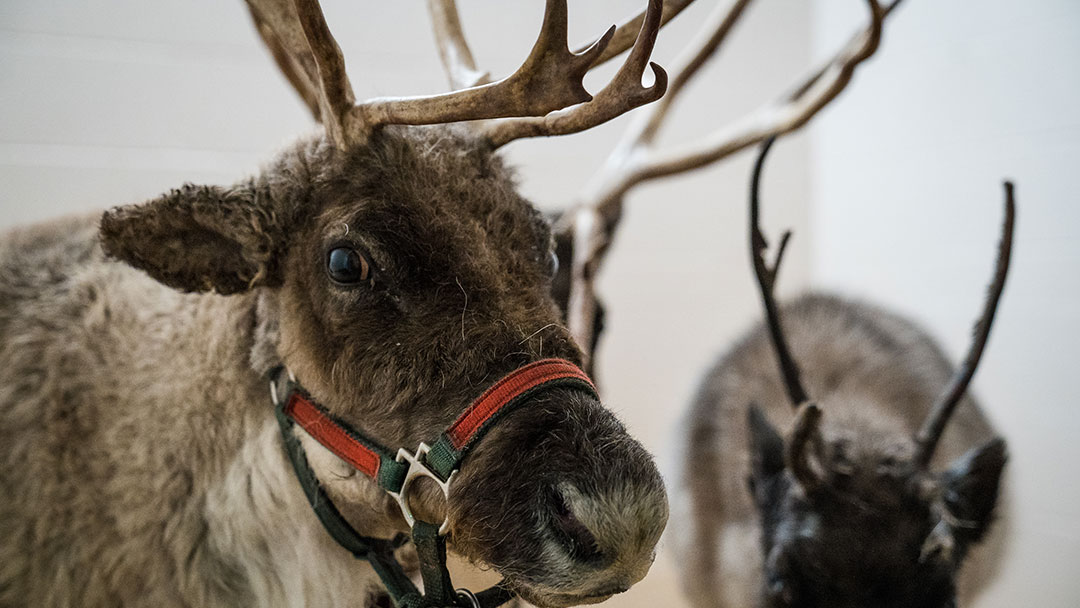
[[906, 173]]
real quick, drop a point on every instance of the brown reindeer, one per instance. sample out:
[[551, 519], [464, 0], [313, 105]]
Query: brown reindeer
[[868, 501], [391, 268]]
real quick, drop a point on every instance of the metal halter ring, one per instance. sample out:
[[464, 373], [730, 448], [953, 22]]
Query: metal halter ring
[[418, 468], [468, 598]]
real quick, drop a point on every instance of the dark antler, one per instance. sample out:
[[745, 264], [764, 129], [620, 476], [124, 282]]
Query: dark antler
[[805, 438], [766, 278], [928, 436]]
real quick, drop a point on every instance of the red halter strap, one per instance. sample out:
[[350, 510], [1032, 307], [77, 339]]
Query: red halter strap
[[447, 452], [473, 420]]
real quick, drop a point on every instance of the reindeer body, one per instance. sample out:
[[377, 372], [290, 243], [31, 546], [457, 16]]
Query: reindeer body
[[874, 374], [140, 458]]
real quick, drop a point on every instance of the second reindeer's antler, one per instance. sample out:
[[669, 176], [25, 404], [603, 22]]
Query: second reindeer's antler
[[929, 434], [806, 433], [594, 219], [549, 81]]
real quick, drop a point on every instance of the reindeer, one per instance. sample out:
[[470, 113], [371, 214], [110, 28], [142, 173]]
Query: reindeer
[[383, 274], [847, 509]]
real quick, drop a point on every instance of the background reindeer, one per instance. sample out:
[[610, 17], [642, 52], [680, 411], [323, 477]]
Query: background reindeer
[[875, 503], [395, 271]]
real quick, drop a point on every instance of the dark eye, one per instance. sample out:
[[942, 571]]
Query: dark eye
[[553, 264], [347, 266]]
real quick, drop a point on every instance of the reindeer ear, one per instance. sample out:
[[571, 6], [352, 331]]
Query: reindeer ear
[[971, 488], [198, 238], [766, 446]]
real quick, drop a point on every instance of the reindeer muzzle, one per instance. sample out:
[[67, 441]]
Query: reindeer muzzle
[[395, 473]]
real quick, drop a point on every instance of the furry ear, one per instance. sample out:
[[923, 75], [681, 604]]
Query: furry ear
[[971, 488], [766, 447], [198, 238]]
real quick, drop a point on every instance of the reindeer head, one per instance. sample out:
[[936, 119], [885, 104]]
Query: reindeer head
[[849, 519], [398, 274], [851, 514]]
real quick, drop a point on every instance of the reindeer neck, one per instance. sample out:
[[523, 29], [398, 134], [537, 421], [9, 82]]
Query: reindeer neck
[[260, 530]]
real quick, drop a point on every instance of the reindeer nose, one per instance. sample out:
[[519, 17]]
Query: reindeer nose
[[613, 532], [578, 538]]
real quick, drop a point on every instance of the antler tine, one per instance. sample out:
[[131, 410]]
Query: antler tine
[[928, 436], [454, 51], [550, 79], [805, 435], [766, 278], [623, 93], [335, 93], [290, 54], [697, 54], [626, 34]]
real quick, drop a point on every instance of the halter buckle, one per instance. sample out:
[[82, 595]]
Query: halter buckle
[[418, 468], [467, 598]]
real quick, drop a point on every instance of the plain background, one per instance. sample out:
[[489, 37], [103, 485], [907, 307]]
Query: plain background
[[894, 193]]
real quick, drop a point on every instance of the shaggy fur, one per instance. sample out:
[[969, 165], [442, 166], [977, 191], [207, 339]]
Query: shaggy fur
[[857, 541], [137, 442]]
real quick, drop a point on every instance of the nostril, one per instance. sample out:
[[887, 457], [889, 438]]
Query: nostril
[[579, 540]]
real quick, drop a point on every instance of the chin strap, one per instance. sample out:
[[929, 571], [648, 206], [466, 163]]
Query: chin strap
[[394, 474]]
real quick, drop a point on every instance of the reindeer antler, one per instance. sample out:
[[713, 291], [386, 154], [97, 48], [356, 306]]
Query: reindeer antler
[[276, 22], [766, 279], [635, 159], [623, 93], [930, 433], [454, 51], [627, 33], [550, 79], [805, 436]]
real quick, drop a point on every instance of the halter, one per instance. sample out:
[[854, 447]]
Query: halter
[[439, 461]]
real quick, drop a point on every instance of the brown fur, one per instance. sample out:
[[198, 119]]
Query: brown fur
[[875, 375], [138, 441]]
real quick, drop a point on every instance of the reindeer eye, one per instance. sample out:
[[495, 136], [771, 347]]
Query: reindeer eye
[[347, 266]]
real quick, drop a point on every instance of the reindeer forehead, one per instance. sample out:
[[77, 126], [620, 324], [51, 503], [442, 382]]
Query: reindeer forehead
[[437, 202]]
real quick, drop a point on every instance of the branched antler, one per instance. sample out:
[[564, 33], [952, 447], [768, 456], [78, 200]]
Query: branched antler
[[596, 216], [930, 433], [805, 438], [624, 93], [766, 278], [550, 79]]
